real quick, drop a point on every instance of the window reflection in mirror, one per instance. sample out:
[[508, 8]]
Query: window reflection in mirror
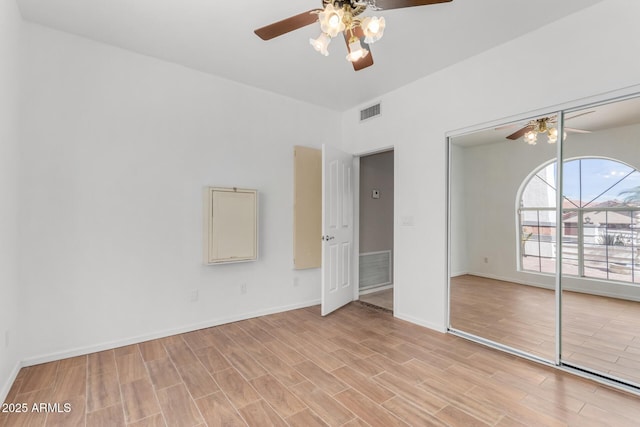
[[601, 231]]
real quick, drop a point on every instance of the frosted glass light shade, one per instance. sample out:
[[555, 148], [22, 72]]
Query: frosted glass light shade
[[331, 20], [531, 137], [356, 51], [373, 28], [321, 44]]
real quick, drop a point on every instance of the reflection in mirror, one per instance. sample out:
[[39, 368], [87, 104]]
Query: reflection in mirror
[[600, 232], [502, 235]]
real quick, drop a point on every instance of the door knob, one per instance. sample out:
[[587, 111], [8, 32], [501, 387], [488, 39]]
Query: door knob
[[327, 238]]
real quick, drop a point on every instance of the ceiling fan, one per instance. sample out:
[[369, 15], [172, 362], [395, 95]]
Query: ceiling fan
[[543, 125], [343, 16]]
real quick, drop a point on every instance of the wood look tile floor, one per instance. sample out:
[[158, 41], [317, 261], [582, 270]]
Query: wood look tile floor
[[383, 299], [357, 367], [599, 333]]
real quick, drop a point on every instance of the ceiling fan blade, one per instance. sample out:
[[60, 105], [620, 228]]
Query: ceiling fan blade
[[520, 133], [574, 130], [286, 25], [361, 63], [365, 62], [398, 4]]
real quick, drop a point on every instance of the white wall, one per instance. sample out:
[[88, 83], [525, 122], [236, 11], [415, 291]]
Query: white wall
[[491, 177], [10, 39], [459, 262], [117, 149], [587, 53]]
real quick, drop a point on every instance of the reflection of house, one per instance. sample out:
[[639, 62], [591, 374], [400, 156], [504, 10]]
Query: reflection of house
[[610, 226], [609, 238], [602, 221]]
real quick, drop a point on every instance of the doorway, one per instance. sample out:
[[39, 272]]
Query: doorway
[[376, 220]]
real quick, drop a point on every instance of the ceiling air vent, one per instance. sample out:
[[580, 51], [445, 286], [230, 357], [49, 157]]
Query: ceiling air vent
[[370, 112]]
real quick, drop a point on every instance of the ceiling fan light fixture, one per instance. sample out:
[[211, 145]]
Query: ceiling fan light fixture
[[531, 137], [552, 135], [345, 16], [356, 51], [321, 44], [331, 20], [542, 125], [373, 28]]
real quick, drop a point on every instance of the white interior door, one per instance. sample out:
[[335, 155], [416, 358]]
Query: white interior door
[[337, 229]]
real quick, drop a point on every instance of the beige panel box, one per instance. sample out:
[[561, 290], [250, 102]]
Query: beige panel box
[[230, 225], [307, 207]]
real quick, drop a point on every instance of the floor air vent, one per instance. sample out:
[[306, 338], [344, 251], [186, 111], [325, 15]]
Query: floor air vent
[[370, 112]]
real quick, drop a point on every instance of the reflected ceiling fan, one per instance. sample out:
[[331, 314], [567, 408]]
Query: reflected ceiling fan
[[343, 16], [543, 125]]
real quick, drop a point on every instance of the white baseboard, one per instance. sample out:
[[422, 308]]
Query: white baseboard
[[591, 291], [4, 391], [420, 322], [512, 280], [160, 334], [376, 289], [459, 273]]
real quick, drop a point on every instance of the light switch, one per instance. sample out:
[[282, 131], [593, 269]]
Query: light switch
[[375, 194], [406, 221]]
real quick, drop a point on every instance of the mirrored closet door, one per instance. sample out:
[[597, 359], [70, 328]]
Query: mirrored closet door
[[600, 239], [502, 234], [544, 255]]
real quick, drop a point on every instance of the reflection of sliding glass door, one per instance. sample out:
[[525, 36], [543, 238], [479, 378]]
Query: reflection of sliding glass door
[[600, 235]]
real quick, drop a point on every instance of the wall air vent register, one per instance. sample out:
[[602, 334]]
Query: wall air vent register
[[370, 112]]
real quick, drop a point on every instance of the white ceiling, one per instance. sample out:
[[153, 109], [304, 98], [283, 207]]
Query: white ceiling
[[217, 37]]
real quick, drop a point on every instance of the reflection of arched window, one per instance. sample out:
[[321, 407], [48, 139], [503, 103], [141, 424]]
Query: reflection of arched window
[[600, 220]]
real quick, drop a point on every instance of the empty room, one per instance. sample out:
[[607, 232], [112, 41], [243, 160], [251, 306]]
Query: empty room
[[183, 189]]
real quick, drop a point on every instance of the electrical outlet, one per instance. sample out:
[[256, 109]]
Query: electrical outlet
[[195, 295], [296, 282], [243, 288]]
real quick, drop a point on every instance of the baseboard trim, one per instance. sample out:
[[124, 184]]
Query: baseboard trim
[[6, 387], [80, 351], [376, 288], [512, 280], [459, 273], [420, 322], [600, 293]]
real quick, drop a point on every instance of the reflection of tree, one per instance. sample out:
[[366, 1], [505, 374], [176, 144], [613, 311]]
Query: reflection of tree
[[632, 195]]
